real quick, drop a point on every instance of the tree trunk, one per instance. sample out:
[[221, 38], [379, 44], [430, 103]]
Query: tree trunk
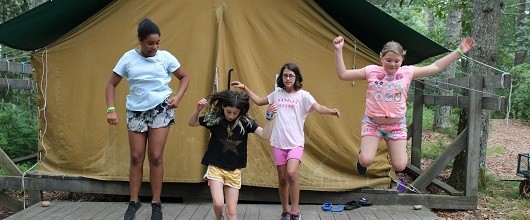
[[520, 54], [486, 16], [442, 120]]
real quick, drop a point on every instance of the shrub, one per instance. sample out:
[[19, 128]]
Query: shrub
[[18, 130], [520, 95]]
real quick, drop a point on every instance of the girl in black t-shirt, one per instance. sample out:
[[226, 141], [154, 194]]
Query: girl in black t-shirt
[[229, 123]]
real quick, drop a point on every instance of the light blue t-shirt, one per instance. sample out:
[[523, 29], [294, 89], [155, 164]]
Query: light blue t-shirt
[[148, 78]]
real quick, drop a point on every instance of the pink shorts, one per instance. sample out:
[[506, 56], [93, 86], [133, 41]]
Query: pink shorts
[[392, 132], [281, 156]]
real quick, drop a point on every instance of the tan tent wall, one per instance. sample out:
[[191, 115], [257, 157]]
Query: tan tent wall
[[207, 36]]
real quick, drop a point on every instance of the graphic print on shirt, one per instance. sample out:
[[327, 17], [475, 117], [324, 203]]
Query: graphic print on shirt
[[389, 90], [286, 103], [230, 145]]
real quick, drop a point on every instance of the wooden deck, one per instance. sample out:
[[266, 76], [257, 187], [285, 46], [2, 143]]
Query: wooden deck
[[203, 210]]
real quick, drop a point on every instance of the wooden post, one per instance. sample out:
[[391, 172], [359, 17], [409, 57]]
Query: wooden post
[[8, 165], [417, 123], [474, 114]]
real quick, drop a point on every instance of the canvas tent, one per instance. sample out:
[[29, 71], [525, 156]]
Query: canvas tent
[[79, 42]]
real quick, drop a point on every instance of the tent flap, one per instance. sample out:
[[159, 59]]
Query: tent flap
[[47, 22]]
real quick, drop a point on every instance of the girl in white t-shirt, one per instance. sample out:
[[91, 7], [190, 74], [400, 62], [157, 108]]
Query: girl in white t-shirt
[[287, 139]]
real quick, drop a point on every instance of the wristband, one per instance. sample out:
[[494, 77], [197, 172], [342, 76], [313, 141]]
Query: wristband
[[460, 51], [112, 108], [269, 116]]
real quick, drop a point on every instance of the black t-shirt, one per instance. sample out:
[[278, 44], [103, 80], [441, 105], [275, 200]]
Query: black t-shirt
[[224, 151]]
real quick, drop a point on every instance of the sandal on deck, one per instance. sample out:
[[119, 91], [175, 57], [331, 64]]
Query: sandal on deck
[[337, 208], [351, 205], [364, 202], [327, 207]]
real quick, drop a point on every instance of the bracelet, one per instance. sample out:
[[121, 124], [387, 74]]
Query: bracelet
[[110, 109], [460, 51], [244, 87], [269, 116]]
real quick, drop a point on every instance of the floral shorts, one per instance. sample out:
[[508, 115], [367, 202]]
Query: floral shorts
[[158, 117], [393, 132], [228, 178]]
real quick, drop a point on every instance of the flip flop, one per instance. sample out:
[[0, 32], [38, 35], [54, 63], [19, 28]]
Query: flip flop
[[327, 207], [337, 208], [364, 202], [351, 205]]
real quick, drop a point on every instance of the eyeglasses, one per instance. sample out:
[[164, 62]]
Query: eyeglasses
[[289, 76]]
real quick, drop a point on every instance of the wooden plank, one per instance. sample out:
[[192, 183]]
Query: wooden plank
[[497, 81], [202, 211], [308, 211], [488, 103], [441, 162], [26, 158], [417, 123], [8, 165], [367, 213], [66, 210], [406, 212], [443, 186], [16, 67], [173, 210], [189, 210], [261, 194], [380, 212], [354, 214], [26, 84], [269, 211], [92, 210], [251, 212], [115, 210], [45, 211], [110, 209], [474, 115], [11, 203], [488, 82], [393, 211], [241, 211]]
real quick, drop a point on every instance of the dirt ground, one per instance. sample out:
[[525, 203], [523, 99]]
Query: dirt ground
[[509, 135]]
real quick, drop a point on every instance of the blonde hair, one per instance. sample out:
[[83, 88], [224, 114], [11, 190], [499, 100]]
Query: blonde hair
[[394, 47]]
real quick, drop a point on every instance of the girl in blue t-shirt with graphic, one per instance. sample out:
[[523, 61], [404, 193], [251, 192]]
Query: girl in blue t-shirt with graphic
[[229, 123]]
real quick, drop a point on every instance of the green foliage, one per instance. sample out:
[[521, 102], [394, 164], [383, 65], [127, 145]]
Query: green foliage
[[428, 116], [496, 150], [503, 193], [521, 96], [433, 150], [18, 130]]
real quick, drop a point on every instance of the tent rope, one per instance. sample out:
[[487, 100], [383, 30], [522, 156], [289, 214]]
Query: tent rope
[[44, 80]]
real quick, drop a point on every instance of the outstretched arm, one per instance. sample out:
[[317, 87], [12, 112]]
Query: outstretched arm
[[265, 132], [194, 118], [342, 72], [438, 66], [325, 110], [255, 98]]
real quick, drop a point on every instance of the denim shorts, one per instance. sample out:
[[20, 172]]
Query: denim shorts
[[393, 132], [158, 117]]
